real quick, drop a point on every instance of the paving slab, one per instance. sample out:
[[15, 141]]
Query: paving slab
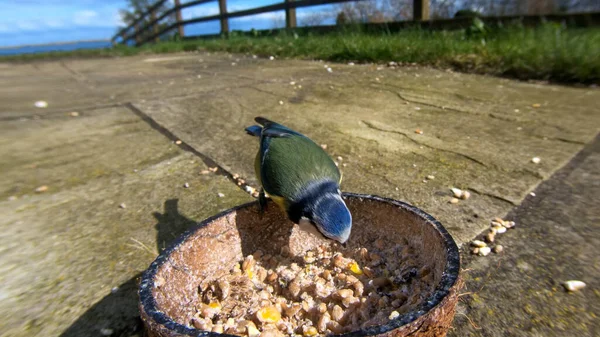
[[520, 292], [71, 255], [66, 249], [478, 133]]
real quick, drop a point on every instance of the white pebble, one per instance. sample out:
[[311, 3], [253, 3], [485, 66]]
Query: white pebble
[[509, 224], [186, 185], [394, 314], [574, 285], [457, 192], [500, 229], [536, 160], [465, 195], [221, 195], [41, 104], [484, 251], [106, 332], [478, 243]]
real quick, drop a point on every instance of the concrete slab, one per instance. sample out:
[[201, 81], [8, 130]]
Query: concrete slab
[[369, 117], [64, 250], [73, 249], [520, 292]]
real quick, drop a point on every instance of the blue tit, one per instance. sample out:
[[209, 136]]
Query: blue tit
[[300, 178]]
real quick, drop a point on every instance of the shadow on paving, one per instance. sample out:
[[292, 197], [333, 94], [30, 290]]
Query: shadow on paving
[[119, 310]]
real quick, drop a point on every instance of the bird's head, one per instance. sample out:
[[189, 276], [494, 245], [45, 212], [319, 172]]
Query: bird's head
[[331, 217]]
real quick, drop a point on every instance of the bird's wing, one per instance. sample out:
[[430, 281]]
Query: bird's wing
[[289, 164], [272, 129]]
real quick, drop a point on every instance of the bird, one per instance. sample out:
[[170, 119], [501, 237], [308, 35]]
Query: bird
[[301, 178]]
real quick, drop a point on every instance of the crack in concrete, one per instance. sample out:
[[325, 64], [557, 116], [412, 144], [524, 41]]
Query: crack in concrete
[[493, 196], [372, 126], [186, 147], [59, 113], [491, 114]]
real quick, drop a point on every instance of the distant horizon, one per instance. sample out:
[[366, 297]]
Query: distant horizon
[[58, 43]]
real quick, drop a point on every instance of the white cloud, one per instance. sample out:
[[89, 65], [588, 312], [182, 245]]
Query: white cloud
[[54, 23], [4, 28], [85, 17], [198, 12], [26, 25], [263, 16]]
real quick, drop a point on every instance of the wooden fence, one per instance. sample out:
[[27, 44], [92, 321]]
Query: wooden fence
[[151, 30]]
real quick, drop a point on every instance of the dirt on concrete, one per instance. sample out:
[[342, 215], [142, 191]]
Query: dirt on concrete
[[115, 178], [520, 292]]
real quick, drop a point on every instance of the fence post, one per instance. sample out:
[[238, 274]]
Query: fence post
[[179, 18], [223, 12], [290, 16], [421, 10], [154, 25]]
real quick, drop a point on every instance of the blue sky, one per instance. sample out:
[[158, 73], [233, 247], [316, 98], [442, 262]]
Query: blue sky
[[25, 22]]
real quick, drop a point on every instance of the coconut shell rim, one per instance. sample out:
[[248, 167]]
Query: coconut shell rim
[[449, 279]]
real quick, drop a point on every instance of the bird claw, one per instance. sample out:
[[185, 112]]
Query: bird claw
[[262, 202]]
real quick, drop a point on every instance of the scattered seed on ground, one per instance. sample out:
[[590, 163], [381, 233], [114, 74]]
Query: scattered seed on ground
[[478, 243], [41, 189], [484, 251], [574, 285]]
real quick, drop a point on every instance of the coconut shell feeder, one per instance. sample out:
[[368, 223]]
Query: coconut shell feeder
[[169, 287]]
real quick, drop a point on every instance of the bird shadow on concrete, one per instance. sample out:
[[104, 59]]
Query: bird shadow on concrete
[[117, 314]]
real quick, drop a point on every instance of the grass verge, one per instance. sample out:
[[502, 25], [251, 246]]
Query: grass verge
[[548, 52]]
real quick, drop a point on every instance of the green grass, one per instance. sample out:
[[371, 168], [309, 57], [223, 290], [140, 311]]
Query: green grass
[[548, 52]]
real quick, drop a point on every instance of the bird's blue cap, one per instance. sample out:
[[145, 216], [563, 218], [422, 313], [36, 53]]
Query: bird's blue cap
[[332, 217]]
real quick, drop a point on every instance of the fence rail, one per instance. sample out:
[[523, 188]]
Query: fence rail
[[420, 12]]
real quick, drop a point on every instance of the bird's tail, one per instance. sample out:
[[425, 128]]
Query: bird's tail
[[254, 130]]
